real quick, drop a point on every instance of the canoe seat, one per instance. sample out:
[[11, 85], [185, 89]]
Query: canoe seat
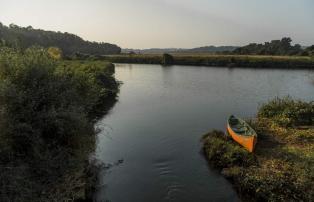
[[237, 126], [239, 129]]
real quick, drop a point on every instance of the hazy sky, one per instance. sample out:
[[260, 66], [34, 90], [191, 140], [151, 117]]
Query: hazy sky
[[168, 23]]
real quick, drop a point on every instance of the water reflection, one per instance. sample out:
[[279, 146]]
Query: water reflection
[[162, 113]]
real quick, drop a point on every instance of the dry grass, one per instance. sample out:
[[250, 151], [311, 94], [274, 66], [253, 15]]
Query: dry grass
[[253, 61]]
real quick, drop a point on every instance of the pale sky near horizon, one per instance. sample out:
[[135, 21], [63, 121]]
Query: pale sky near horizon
[[168, 23]]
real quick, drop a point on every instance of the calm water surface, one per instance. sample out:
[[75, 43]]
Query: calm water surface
[[162, 113]]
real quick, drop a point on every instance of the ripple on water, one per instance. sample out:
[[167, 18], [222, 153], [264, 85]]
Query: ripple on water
[[160, 117], [168, 177]]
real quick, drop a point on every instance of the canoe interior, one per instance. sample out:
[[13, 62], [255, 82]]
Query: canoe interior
[[240, 127]]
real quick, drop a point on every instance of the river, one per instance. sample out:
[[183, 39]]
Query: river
[[155, 128]]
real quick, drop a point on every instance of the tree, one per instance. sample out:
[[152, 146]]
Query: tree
[[310, 50], [167, 59], [275, 47]]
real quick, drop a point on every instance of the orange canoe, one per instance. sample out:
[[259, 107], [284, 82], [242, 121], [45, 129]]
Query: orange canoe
[[242, 133]]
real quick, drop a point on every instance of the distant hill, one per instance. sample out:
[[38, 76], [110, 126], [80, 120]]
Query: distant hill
[[205, 49], [24, 37]]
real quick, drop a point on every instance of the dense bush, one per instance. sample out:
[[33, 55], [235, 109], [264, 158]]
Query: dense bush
[[288, 112], [38, 107], [223, 152], [92, 80], [167, 59], [46, 121]]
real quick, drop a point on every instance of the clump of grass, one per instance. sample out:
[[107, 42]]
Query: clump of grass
[[288, 112], [275, 180], [282, 167], [221, 151]]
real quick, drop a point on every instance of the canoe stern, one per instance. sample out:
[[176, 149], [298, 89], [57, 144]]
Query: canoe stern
[[248, 142]]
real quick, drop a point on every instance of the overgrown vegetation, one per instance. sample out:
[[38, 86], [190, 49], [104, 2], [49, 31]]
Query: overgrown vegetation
[[25, 37], [47, 123], [282, 166], [288, 112], [221, 150]]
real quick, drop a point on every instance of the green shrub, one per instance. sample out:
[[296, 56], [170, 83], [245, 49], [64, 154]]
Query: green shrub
[[288, 112], [45, 100], [92, 80], [46, 121], [38, 106], [167, 59], [224, 152]]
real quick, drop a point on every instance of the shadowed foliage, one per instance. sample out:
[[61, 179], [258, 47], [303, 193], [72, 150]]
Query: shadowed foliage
[[167, 59], [47, 123]]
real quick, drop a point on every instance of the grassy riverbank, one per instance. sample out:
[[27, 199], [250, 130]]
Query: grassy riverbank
[[48, 108], [282, 166], [289, 62]]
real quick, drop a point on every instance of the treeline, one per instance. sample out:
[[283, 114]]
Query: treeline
[[25, 37], [281, 47], [275, 47], [47, 116]]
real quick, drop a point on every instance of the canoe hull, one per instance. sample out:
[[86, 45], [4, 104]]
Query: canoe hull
[[247, 142]]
